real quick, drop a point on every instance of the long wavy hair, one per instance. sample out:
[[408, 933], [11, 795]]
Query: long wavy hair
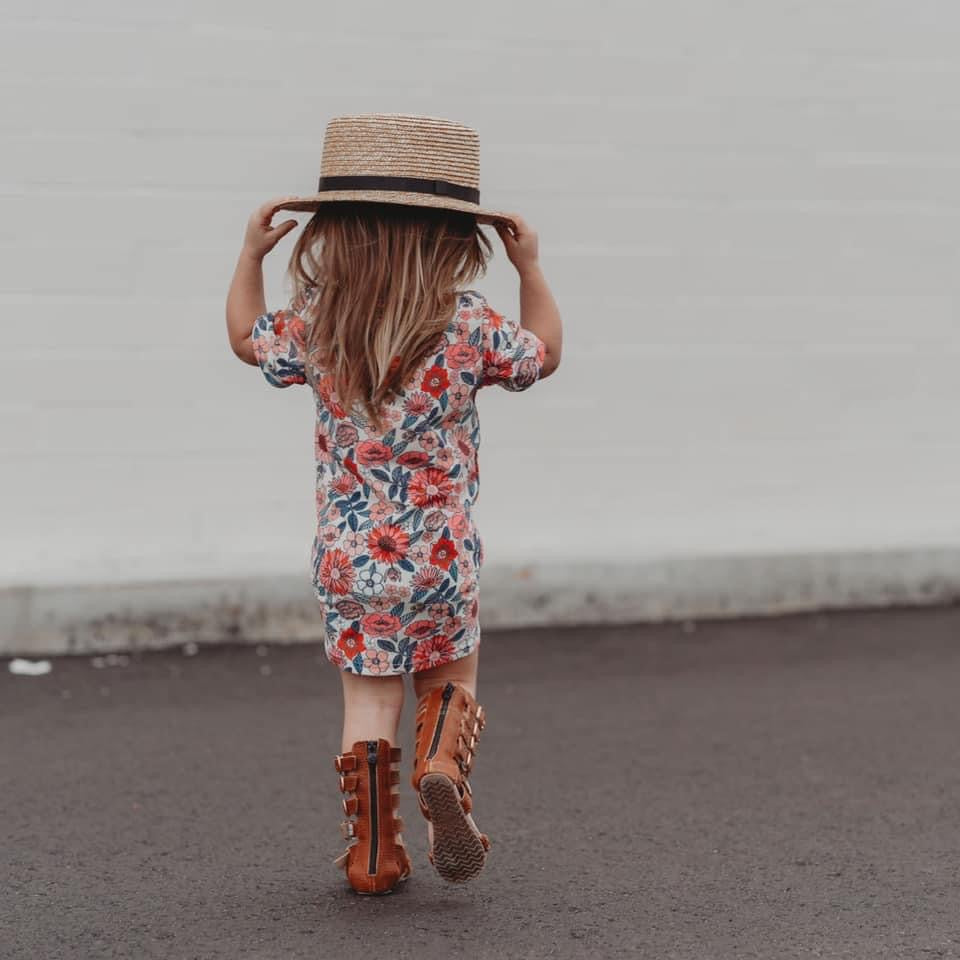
[[381, 280]]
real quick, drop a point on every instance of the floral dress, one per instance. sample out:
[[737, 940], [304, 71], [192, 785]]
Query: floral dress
[[396, 555]]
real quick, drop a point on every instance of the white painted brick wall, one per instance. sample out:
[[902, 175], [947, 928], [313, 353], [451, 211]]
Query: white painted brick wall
[[749, 212]]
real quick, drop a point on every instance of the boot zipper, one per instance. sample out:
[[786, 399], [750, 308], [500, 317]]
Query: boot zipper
[[374, 827], [435, 744]]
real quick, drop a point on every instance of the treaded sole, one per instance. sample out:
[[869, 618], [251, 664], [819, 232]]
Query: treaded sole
[[458, 852]]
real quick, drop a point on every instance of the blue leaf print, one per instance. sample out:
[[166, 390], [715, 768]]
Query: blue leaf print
[[444, 400], [406, 565], [496, 339], [381, 475], [353, 521], [458, 635], [417, 518], [388, 645], [358, 663], [361, 560], [408, 421], [475, 337], [454, 572], [397, 609], [446, 533], [454, 471], [397, 474], [467, 377], [468, 544]]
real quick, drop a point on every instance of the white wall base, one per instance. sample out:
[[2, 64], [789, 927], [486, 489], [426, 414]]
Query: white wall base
[[87, 619]]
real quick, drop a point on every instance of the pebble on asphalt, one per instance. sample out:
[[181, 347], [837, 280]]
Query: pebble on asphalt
[[29, 668]]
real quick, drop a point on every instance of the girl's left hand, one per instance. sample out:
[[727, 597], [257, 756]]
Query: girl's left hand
[[261, 237]]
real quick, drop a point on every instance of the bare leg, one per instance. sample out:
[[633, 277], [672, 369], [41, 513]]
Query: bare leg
[[462, 671], [371, 708]]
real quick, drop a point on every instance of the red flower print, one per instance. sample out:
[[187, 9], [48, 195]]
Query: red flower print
[[444, 552], [373, 452], [381, 624], [351, 642], [297, 329], [388, 543], [461, 355], [528, 370], [420, 628], [344, 483], [349, 609], [352, 467], [429, 487], [459, 525], [329, 396], [279, 323], [322, 445], [376, 662], [427, 578], [413, 459], [496, 366], [434, 520], [336, 572], [418, 404], [435, 381], [493, 318], [346, 434], [432, 653]]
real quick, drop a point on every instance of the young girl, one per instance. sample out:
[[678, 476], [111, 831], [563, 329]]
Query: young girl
[[384, 327]]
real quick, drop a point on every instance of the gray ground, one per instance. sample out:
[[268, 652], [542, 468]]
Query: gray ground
[[783, 788]]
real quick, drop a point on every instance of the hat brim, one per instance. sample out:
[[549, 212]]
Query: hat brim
[[312, 203]]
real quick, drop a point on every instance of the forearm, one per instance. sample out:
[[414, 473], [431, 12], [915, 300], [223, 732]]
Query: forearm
[[245, 302], [539, 314]]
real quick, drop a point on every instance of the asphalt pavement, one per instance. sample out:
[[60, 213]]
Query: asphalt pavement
[[770, 789]]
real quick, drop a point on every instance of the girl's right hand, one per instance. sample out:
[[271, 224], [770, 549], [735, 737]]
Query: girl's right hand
[[522, 249], [261, 237]]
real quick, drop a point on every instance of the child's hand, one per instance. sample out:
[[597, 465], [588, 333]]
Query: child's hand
[[522, 249], [261, 237]]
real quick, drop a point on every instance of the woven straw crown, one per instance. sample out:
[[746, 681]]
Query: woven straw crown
[[400, 158]]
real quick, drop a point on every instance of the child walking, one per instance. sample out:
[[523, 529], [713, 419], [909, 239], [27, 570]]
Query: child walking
[[386, 329]]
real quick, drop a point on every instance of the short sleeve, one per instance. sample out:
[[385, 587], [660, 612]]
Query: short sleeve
[[512, 356], [279, 347]]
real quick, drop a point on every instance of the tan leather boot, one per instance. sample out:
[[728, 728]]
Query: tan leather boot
[[376, 860], [449, 722]]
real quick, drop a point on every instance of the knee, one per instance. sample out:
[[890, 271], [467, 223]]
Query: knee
[[384, 693]]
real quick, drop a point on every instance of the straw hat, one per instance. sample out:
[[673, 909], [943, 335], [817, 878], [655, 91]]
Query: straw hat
[[400, 158]]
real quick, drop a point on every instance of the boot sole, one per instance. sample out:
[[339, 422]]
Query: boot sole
[[458, 853]]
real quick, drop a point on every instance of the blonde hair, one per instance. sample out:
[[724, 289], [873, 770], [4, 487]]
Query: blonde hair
[[386, 279]]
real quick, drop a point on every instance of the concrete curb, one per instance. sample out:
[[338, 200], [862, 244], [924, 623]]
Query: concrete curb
[[53, 620]]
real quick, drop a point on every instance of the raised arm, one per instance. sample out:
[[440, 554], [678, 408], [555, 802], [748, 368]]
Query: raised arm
[[245, 300], [538, 310]]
